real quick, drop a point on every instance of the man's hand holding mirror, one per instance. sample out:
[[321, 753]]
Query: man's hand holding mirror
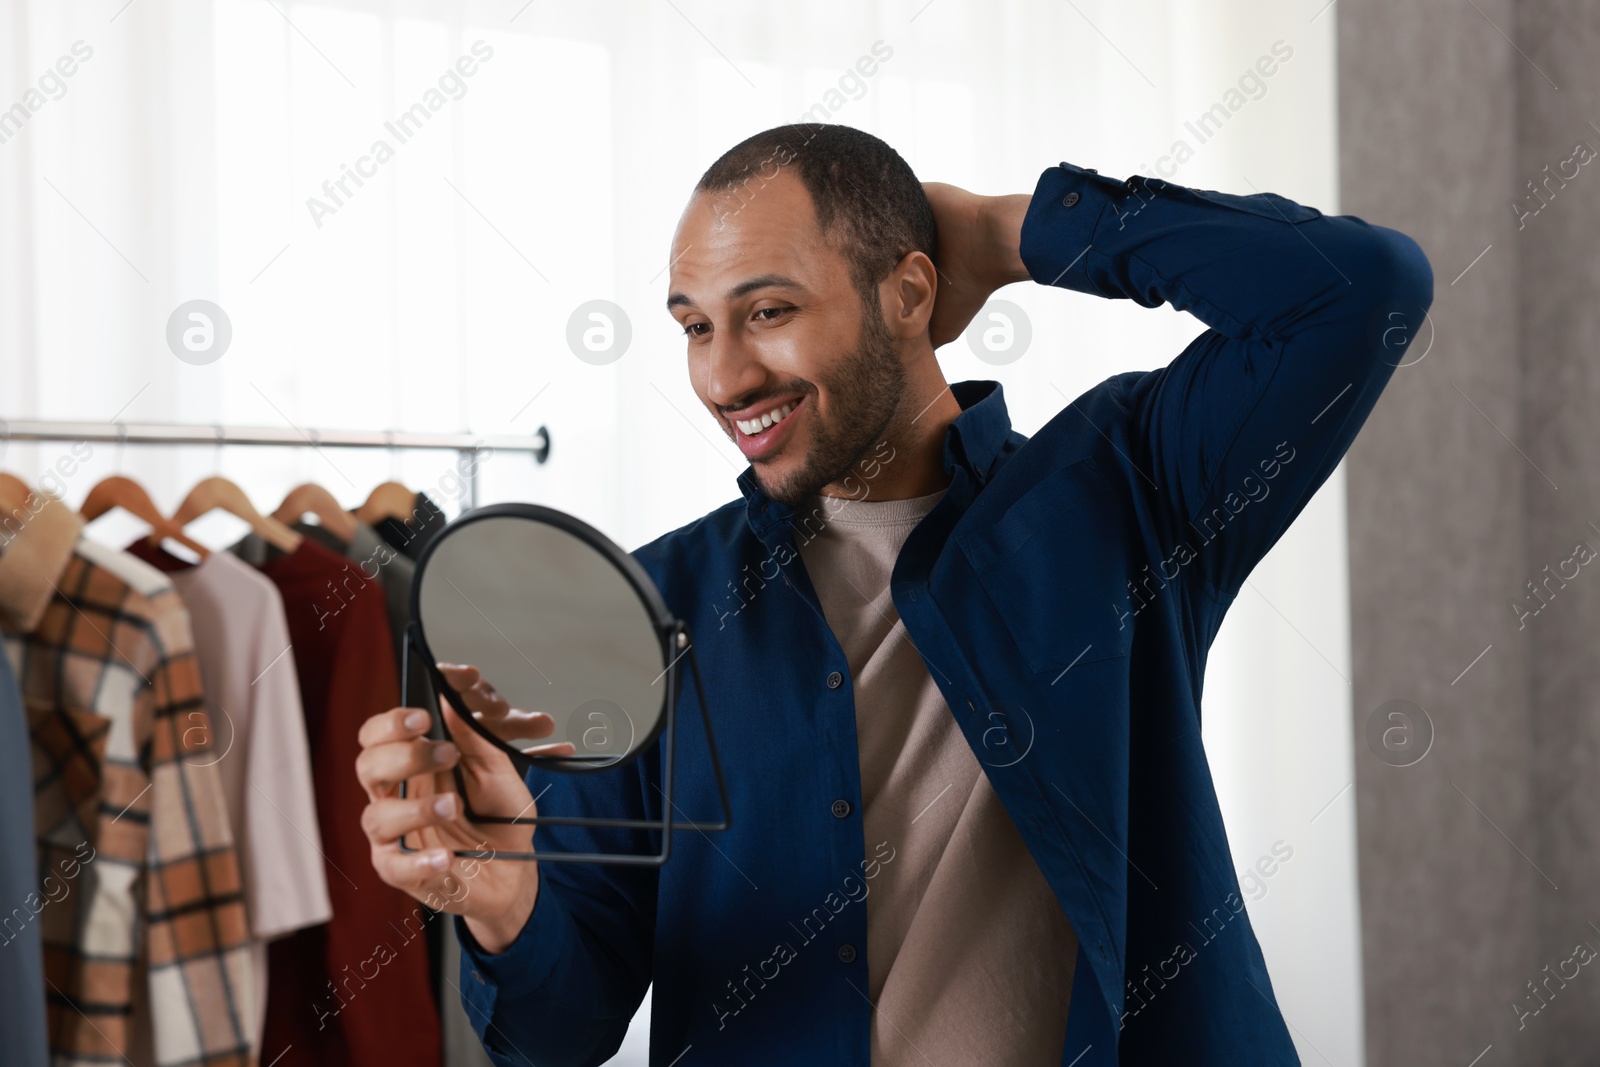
[[585, 661], [495, 899]]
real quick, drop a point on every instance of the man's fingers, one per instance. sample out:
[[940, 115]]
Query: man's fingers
[[469, 682], [492, 710], [421, 874], [396, 724], [473, 746], [388, 819], [560, 748], [516, 724], [480, 697], [385, 766], [458, 674], [483, 697]]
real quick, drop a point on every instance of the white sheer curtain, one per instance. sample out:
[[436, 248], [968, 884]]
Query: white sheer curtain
[[553, 151]]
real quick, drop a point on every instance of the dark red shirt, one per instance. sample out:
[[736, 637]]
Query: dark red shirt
[[356, 990]]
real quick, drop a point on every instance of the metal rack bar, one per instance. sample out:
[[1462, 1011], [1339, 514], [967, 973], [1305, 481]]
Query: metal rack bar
[[155, 433], [158, 433]]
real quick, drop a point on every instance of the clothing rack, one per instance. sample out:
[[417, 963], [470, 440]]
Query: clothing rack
[[466, 446]]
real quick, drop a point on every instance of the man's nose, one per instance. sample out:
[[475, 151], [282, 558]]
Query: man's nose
[[733, 370]]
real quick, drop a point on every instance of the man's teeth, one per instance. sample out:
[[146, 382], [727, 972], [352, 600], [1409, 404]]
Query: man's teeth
[[751, 427]]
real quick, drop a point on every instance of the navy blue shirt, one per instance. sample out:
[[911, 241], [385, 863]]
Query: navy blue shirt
[[1063, 594]]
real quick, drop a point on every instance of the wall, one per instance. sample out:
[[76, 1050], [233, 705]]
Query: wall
[[1478, 864]]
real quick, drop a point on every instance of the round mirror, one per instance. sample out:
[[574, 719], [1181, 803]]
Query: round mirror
[[557, 619]]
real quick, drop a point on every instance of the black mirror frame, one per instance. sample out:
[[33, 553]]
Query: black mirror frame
[[673, 634]]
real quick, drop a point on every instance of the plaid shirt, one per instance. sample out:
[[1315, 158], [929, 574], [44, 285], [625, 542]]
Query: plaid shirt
[[129, 809]]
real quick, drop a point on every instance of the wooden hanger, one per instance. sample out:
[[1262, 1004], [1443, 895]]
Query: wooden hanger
[[127, 494], [218, 492], [313, 498], [14, 492], [390, 500]]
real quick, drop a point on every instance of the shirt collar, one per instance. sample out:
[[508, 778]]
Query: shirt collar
[[972, 442], [36, 541]]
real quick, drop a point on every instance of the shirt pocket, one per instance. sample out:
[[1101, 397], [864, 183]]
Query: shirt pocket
[[1054, 565]]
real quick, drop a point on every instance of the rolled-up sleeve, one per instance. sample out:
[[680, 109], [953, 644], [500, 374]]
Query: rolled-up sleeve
[[1309, 315]]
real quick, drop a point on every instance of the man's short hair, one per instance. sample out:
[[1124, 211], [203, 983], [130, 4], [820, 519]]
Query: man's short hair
[[867, 200]]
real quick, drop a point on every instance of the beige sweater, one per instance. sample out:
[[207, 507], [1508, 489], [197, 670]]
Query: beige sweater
[[969, 956]]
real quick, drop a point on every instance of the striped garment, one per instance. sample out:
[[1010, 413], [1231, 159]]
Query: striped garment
[[146, 956]]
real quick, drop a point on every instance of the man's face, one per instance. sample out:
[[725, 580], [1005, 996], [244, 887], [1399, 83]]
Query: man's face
[[774, 324]]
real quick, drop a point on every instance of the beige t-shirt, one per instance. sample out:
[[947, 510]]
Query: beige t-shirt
[[969, 955], [261, 751]]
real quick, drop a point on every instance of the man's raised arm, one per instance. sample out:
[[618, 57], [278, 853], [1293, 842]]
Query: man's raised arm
[[1309, 315]]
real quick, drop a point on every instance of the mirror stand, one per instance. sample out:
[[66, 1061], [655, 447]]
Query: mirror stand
[[676, 636]]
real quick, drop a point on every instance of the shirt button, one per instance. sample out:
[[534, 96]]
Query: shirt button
[[841, 808], [476, 977], [847, 953], [1070, 199], [835, 680]]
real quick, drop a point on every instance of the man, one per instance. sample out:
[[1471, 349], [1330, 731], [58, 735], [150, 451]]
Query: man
[[954, 673]]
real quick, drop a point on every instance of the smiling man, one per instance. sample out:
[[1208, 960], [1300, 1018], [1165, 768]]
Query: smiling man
[[956, 688]]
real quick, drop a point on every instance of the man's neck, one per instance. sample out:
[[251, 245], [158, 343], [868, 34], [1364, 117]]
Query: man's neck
[[909, 462]]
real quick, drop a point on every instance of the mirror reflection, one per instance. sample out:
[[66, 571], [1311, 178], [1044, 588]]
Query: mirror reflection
[[555, 627]]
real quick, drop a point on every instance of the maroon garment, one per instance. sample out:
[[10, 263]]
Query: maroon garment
[[356, 990]]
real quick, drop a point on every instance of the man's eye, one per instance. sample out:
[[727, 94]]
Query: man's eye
[[688, 331], [779, 310]]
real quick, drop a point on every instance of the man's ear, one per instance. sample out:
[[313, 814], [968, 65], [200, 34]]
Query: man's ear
[[909, 294]]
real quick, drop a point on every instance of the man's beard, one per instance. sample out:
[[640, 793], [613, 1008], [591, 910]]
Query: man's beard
[[865, 390]]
